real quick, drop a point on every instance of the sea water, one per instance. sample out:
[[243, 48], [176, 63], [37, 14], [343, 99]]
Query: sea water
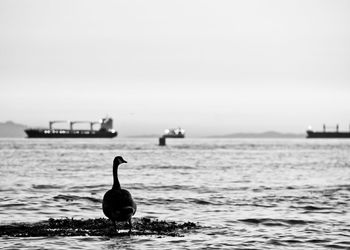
[[244, 193]]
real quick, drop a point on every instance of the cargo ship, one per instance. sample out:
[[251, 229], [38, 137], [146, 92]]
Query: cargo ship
[[327, 134], [105, 131]]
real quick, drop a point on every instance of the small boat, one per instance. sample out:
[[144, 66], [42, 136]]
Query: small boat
[[174, 133], [106, 130]]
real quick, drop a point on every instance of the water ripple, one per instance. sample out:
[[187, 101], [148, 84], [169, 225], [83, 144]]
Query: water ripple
[[69, 198]]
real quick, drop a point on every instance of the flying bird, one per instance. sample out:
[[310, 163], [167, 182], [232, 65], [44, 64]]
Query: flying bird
[[118, 204]]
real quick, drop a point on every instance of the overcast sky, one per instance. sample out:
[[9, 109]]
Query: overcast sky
[[212, 67]]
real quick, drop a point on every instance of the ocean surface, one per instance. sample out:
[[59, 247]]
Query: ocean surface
[[245, 193]]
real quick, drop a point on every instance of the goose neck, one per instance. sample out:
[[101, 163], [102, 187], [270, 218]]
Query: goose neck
[[116, 184]]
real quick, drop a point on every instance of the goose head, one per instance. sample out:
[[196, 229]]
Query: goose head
[[118, 160]]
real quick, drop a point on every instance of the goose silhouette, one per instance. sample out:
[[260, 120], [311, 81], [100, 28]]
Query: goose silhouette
[[118, 204]]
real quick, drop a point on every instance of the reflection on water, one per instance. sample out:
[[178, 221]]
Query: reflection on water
[[253, 194]]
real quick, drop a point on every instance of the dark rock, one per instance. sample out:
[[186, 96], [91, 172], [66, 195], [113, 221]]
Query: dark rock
[[95, 227]]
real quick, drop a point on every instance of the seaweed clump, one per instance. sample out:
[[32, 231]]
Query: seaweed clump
[[95, 227]]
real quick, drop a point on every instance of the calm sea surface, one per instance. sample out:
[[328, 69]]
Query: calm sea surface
[[246, 193]]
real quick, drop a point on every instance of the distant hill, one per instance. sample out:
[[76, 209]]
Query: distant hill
[[11, 129], [144, 136], [268, 134]]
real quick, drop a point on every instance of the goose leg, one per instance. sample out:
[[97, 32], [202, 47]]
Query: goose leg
[[115, 227], [130, 226]]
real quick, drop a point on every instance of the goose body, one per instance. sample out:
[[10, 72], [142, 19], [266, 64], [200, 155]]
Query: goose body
[[118, 204]]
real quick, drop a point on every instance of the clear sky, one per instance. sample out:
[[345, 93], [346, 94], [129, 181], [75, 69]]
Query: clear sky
[[212, 67]]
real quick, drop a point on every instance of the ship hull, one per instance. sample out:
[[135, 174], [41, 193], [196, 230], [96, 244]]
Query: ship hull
[[329, 135], [62, 133], [174, 136]]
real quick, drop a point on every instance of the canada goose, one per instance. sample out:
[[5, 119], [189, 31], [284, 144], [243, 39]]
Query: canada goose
[[118, 204]]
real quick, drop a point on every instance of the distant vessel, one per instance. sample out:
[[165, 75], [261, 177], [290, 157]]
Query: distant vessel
[[106, 130], [327, 134], [174, 133]]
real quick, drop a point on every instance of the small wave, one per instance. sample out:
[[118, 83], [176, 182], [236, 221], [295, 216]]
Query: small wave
[[320, 209], [158, 201], [141, 186], [200, 201], [275, 242], [294, 241], [46, 186], [317, 241], [275, 222], [310, 207], [75, 198], [262, 205], [175, 167], [14, 205], [88, 187], [177, 201], [337, 246]]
